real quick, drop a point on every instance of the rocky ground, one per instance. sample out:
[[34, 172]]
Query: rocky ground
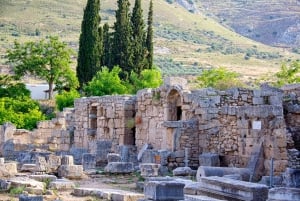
[[100, 181]]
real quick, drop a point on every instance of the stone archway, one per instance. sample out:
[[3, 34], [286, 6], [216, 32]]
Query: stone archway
[[174, 102]]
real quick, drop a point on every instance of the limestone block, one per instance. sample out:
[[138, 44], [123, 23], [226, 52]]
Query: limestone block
[[164, 190], [8, 170], [291, 178], [67, 160], [32, 186], [53, 162], [284, 194], [119, 167], [43, 177], [88, 161], [61, 184], [113, 157], [182, 171], [41, 164], [71, 171], [24, 197], [149, 169], [28, 168], [209, 159]]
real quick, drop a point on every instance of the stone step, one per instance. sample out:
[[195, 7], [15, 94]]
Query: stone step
[[108, 194], [199, 198]]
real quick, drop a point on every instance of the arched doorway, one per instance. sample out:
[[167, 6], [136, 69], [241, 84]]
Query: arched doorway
[[174, 106]]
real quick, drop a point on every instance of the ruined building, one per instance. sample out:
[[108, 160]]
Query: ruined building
[[172, 120]]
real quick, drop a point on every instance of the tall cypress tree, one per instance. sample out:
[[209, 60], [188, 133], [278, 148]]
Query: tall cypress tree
[[106, 58], [149, 40], [138, 38], [121, 44], [88, 62]]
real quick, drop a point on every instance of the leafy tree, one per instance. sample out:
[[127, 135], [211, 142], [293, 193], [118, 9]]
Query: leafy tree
[[66, 99], [9, 87], [106, 82], [47, 60], [121, 43], [219, 78], [149, 78], [138, 38], [149, 39], [288, 74], [89, 55], [22, 112]]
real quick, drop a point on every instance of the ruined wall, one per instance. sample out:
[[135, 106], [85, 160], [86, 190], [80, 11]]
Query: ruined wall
[[106, 118]]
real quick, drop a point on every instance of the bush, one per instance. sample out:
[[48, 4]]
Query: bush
[[66, 99], [22, 112]]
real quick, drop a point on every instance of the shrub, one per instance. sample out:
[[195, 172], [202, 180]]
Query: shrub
[[66, 99]]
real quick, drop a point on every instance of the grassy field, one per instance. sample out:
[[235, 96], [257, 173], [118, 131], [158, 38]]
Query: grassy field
[[184, 42]]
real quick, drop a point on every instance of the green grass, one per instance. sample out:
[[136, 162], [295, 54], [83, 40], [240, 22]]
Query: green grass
[[184, 42]]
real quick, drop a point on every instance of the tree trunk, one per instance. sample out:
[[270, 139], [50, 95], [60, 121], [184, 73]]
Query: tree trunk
[[50, 90]]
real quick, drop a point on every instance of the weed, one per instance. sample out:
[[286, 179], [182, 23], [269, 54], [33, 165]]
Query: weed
[[16, 190]]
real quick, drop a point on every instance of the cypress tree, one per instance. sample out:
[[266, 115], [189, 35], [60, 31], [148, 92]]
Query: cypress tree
[[121, 44], [138, 38], [106, 58], [149, 40], [88, 62]]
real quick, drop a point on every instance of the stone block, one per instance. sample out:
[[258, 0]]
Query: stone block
[[164, 190], [30, 198], [67, 160], [4, 185], [119, 167], [8, 170], [32, 186], [149, 169], [182, 171], [113, 157], [41, 164], [61, 184], [70, 171], [28, 168], [43, 177], [88, 161], [229, 189], [209, 159], [53, 162], [291, 178], [284, 194]]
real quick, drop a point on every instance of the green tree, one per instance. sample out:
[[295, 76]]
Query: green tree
[[48, 60], [288, 74], [219, 78], [121, 43], [149, 39], [9, 87], [106, 82], [138, 38], [89, 55], [106, 58], [149, 78]]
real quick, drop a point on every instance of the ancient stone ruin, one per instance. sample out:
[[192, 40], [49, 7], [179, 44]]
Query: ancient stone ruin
[[241, 134]]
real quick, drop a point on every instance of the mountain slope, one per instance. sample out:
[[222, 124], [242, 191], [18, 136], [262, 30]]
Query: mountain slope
[[185, 42]]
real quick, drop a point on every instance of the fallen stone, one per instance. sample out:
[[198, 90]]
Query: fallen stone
[[43, 177], [31, 186], [61, 184], [284, 194], [28, 168], [108, 194], [182, 171], [8, 170], [199, 198], [164, 190], [119, 167], [277, 181], [70, 171], [4, 185], [113, 157], [30, 198], [209, 159], [53, 162], [229, 189], [291, 178], [206, 171], [149, 169], [233, 176]]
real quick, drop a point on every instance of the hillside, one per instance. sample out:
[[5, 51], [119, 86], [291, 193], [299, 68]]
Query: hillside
[[275, 22], [185, 42]]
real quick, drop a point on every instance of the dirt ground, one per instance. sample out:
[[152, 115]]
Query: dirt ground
[[101, 181]]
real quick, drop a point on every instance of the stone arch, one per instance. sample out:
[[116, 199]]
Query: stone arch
[[174, 104]]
